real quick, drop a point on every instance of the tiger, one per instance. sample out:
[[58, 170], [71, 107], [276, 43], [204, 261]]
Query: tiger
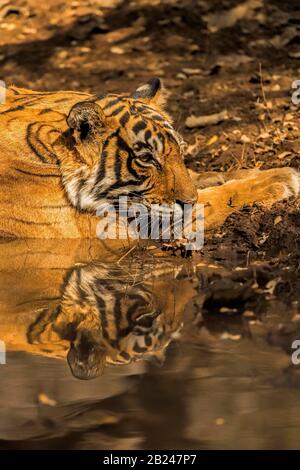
[[63, 153], [102, 314]]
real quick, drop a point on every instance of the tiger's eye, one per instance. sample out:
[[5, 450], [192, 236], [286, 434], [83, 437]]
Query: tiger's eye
[[145, 157]]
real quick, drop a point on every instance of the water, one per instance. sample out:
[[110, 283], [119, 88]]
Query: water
[[164, 376]]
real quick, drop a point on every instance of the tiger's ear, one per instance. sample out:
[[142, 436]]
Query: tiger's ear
[[86, 356], [152, 92], [86, 119]]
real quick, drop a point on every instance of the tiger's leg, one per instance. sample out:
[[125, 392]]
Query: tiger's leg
[[208, 179], [265, 187]]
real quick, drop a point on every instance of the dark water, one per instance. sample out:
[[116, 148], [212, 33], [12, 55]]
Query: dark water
[[162, 375]]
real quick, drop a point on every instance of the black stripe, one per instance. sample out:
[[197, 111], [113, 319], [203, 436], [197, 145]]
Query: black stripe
[[11, 110], [117, 165], [30, 222], [36, 174], [124, 119], [60, 100], [157, 117], [51, 154], [102, 172], [143, 110], [111, 103], [117, 312], [139, 126], [123, 145], [117, 111], [38, 141], [46, 110], [16, 91], [28, 140], [81, 294], [102, 309], [148, 135], [125, 355], [117, 185], [145, 191]]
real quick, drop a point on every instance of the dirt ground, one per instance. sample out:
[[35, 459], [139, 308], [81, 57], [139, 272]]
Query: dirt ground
[[242, 62]]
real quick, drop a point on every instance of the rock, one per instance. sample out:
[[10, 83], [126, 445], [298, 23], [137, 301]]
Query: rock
[[189, 71]]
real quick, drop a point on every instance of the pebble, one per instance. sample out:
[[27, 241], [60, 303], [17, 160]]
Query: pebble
[[220, 421], [226, 335], [117, 50], [248, 314], [189, 71]]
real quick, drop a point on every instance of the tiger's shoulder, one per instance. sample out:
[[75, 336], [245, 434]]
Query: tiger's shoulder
[[33, 202], [22, 99], [30, 121]]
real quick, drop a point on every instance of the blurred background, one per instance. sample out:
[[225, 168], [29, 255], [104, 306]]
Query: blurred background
[[213, 56]]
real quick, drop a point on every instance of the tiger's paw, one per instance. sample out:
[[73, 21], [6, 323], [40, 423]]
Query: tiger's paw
[[286, 182], [293, 183]]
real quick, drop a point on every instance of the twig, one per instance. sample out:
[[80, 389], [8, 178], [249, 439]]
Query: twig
[[263, 92], [127, 253]]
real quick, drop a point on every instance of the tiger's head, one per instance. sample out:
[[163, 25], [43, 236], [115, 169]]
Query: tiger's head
[[124, 145], [113, 315]]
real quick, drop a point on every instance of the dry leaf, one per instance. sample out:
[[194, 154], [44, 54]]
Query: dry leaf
[[283, 155], [245, 139], [212, 140]]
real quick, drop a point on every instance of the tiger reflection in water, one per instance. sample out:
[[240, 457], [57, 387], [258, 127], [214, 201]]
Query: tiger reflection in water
[[111, 316]]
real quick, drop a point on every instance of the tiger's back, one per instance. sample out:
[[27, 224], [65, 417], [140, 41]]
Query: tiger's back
[[33, 203]]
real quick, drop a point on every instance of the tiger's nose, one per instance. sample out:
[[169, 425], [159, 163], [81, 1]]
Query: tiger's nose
[[190, 198], [181, 204], [186, 191]]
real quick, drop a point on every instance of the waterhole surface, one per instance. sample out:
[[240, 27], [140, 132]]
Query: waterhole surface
[[143, 353]]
